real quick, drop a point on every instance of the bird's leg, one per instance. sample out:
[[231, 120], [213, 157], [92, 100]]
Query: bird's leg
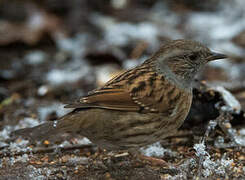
[[147, 159], [153, 160]]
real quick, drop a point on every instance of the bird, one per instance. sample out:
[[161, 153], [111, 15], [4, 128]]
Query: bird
[[139, 106]]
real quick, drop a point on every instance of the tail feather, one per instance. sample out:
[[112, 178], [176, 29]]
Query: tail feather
[[45, 131]]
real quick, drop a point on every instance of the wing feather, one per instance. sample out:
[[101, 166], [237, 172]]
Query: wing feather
[[115, 99], [138, 89]]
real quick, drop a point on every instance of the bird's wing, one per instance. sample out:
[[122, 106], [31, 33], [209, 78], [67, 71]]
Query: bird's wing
[[113, 95], [154, 93], [139, 89], [115, 99]]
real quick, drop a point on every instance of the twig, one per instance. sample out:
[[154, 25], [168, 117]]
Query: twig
[[211, 126]]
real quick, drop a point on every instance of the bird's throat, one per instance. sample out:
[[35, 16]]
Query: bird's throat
[[183, 81]]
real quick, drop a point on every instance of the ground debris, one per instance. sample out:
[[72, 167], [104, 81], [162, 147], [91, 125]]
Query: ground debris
[[55, 51], [211, 155]]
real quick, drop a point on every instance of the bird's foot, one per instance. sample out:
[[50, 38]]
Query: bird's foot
[[153, 161]]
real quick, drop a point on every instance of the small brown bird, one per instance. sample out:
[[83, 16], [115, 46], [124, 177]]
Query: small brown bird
[[139, 106]]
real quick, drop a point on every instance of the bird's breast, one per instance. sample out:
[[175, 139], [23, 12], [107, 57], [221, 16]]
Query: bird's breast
[[179, 107]]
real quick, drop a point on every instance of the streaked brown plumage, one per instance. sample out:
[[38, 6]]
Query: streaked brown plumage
[[139, 106]]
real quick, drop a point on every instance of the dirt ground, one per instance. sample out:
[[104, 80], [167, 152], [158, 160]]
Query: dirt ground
[[55, 51]]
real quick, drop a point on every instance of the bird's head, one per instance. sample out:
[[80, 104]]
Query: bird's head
[[182, 59]]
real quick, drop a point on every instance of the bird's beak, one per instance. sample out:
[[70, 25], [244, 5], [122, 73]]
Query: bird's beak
[[215, 56]]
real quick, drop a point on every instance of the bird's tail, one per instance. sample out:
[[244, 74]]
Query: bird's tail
[[47, 130]]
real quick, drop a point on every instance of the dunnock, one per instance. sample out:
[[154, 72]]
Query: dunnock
[[139, 106]]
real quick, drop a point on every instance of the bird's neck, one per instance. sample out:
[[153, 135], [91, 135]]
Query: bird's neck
[[182, 78]]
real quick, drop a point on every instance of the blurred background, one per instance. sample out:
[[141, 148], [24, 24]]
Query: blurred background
[[53, 51]]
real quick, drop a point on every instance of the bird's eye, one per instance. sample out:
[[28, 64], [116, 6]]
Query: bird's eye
[[193, 57]]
